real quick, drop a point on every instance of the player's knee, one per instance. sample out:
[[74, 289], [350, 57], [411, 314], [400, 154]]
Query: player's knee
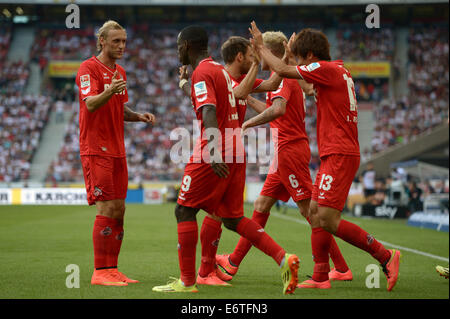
[[313, 211], [263, 204], [329, 223], [303, 206], [231, 223], [184, 214], [325, 224], [120, 208]]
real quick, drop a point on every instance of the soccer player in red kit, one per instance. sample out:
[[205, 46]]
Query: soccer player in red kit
[[102, 95], [337, 136], [289, 175], [242, 66], [208, 181]]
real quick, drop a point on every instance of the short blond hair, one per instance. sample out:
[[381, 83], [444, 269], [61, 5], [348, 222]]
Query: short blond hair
[[103, 31], [274, 41]]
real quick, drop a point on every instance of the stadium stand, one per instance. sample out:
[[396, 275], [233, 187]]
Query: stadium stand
[[426, 105], [22, 121], [152, 69]]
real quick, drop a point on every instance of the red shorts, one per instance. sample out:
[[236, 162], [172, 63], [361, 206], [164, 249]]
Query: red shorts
[[202, 188], [292, 177], [334, 179], [105, 177]]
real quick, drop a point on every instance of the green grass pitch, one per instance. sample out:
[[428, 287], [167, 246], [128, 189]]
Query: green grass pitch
[[38, 242]]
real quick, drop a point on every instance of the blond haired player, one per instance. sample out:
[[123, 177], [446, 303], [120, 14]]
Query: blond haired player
[[103, 94]]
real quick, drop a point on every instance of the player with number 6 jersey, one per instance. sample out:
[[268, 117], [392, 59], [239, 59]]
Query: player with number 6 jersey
[[338, 149]]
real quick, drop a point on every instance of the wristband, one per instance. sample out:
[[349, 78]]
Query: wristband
[[182, 83]]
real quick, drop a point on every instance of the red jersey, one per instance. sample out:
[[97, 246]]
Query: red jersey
[[212, 85], [242, 104], [337, 113], [101, 131], [291, 126]]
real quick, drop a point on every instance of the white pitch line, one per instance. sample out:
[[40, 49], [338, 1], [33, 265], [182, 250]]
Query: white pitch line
[[414, 251]]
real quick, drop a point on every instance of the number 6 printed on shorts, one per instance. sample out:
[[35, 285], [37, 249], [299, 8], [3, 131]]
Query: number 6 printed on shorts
[[293, 181], [325, 182]]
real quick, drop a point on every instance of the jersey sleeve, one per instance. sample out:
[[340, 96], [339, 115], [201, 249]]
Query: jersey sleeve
[[87, 81], [283, 91], [257, 83], [315, 73], [203, 90]]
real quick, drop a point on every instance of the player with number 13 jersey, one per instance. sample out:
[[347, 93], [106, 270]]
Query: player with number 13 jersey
[[337, 131]]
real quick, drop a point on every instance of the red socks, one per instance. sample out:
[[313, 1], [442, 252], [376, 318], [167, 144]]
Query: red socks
[[107, 239], [116, 243], [336, 255], [320, 244], [187, 243], [244, 245], [254, 233], [358, 237], [209, 238]]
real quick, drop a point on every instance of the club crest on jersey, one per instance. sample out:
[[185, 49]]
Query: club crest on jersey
[[200, 88], [97, 191]]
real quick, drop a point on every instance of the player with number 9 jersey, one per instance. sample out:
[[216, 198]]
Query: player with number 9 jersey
[[201, 187]]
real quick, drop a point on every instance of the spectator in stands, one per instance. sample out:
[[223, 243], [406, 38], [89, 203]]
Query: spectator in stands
[[440, 187], [367, 178], [415, 202]]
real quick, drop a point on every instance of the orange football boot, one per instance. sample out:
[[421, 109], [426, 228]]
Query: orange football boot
[[104, 277], [121, 276]]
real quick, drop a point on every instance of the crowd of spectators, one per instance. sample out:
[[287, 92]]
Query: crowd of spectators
[[356, 44], [22, 119], [152, 65], [426, 105], [5, 40], [13, 77], [59, 44]]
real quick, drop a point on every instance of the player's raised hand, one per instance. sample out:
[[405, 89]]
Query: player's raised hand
[[289, 57], [147, 118], [184, 75], [257, 40], [117, 84], [256, 56]]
